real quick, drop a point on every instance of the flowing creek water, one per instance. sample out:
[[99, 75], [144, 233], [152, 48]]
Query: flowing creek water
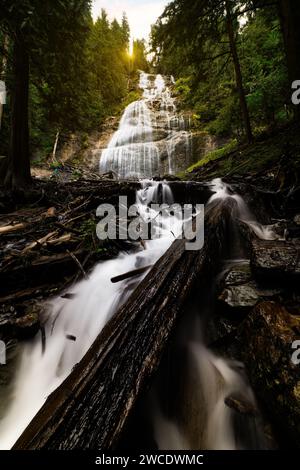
[[208, 422]]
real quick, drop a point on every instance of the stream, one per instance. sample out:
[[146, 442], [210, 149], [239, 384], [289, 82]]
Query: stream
[[200, 418]]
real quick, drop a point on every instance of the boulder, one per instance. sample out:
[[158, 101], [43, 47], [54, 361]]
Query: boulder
[[276, 260], [266, 339], [240, 292]]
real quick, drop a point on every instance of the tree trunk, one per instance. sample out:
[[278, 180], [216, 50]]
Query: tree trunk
[[90, 409], [3, 66], [18, 171], [289, 11], [238, 73]]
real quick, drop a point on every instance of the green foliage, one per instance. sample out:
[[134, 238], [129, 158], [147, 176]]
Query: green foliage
[[129, 98], [139, 56], [279, 149], [264, 68], [190, 41], [183, 88], [79, 69], [215, 155], [108, 46]]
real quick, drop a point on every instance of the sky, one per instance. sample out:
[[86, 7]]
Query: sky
[[141, 13]]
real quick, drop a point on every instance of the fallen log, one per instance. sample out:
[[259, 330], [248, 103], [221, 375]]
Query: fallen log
[[90, 409]]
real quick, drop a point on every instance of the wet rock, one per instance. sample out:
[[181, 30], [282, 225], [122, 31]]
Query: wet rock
[[240, 296], [156, 135], [265, 340], [189, 192], [241, 292], [276, 260], [293, 228]]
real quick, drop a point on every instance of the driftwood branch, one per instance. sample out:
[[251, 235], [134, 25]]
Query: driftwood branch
[[11, 228], [130, 274]]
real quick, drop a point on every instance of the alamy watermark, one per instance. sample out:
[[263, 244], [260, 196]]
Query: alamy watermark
[[2, 353], [141, 222], [296, 94], [296, 354], [2, 92]]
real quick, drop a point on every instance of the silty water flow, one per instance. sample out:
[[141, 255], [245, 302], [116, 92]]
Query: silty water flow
[[149, 129]]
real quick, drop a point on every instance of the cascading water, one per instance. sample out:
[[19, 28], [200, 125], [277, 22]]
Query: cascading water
[[82, 316], [149, 129], [223, 191], [204, 421], [199, 416]]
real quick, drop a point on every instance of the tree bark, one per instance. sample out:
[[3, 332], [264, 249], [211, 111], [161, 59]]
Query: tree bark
[[238, 72], [90, 409], [289, 12], [18, 171], [3, 66]]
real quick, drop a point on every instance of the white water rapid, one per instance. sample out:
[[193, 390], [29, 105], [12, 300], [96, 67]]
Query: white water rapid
[[204, 383], [223, 191]]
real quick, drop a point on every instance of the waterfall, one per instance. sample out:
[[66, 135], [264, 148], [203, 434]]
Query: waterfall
[[149, 131], [223, 191], [204, 420]]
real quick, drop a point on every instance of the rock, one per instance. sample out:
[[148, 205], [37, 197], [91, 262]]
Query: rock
[[239, 273], [241, 292], [242, 296], [292, 232], [265, 340], [189, 192], [275, 260]]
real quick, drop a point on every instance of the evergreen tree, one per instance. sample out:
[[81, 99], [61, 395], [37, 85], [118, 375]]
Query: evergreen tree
[[38, 31]]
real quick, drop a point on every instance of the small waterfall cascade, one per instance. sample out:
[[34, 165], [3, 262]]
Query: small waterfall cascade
[[204, 420], [82, 316], [223, 191], [191, 402], [149, 135]]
